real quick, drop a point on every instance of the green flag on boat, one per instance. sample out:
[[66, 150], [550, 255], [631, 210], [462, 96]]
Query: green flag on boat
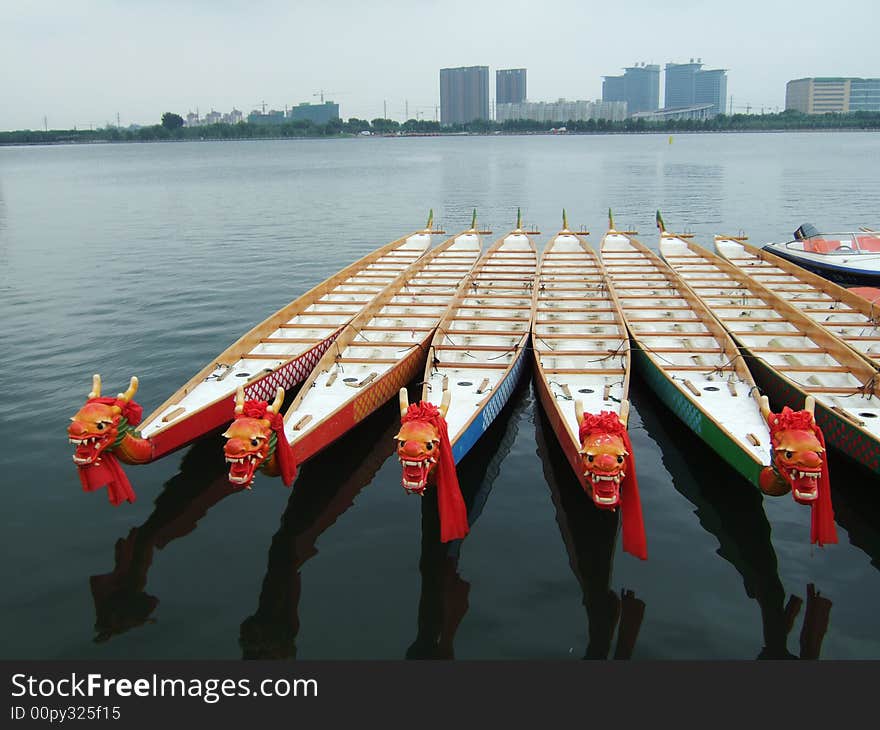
[[660, 224], [474, 220], [610, 220], [430, 222], [564, 220]]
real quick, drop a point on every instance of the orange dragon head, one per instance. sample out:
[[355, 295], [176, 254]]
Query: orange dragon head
[[96, 426], [603, 453], [797, 454], [251, 441], [418, 441]]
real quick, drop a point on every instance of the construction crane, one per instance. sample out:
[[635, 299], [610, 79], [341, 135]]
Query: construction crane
[[322, 92]]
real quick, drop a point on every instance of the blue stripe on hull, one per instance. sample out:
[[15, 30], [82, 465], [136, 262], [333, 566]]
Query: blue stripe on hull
[[844, 275], [490, 411]]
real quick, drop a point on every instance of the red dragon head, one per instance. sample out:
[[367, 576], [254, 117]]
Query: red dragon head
[[603, 453], [797, 454], [95, 427], [419, 441], [251, 439]]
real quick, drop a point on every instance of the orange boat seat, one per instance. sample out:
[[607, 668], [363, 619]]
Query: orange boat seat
[[869, 243], [820, 245]]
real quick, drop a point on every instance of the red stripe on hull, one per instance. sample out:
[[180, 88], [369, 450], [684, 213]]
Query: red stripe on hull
[[561, 430], [219, 414], [353, 412]]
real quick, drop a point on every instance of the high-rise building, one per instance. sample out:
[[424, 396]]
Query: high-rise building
[[464, 94], [510, 86], [828, 94], [688, 85], [317, 113], [639, 87]]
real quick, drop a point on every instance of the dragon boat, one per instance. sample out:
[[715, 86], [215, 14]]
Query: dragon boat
[[475, 361], [850, 317], [378, 352], [685, 354], [279, 352], [791, 356], [582, 365]]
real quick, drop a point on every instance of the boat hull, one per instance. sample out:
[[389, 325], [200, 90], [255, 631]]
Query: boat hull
[[703, 426], [837, 430], [557, 423], [843, 275], [489, 412], [356, 410], [219, 413]]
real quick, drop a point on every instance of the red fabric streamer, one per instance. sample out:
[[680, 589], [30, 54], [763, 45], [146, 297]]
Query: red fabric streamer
[[109, 472], [453, 512], [283, 450], [822, 528], [634, 540]]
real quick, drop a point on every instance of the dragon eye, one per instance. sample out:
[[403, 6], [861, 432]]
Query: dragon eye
[[788, 454], [254, 442], [100, 426], [590, 458], [429, 446], [401, 443], [619, 459]]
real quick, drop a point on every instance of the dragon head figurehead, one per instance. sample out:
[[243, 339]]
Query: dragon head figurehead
[[252, 438], [797, 453], [97, 426], [604, 455], [419, 440], [425, 453]]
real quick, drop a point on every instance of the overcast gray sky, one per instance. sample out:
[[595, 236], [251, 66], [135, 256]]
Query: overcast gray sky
[[81, 63]]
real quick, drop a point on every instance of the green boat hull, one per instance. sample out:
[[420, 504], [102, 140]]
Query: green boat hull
[[703, 426]]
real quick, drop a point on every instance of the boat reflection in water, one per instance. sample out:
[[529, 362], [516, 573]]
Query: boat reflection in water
[[443, 599], [120, 597], [590, 536], [327, 485], [731, 509]]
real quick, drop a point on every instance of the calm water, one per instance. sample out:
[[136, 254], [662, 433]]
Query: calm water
[[149, 260]]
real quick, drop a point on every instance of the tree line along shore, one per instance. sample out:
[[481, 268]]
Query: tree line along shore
[[172, 129]]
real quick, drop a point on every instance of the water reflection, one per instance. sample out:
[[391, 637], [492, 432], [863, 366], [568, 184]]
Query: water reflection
[[732, 510], [121, 599], [443, 599], [590, 536], [326, 487], [857, 506]]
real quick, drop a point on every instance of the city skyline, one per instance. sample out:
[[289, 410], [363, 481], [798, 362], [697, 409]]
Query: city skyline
[[81, 66]]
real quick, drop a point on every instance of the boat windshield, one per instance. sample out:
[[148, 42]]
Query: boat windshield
[[838, 244]]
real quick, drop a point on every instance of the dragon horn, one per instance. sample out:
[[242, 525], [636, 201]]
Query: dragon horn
[[239, 400], [279, 399], [810, 405], [444, 403], [404, 402], [765, 408], [579, 411], [624, 412], [96, 386], [132, 389]]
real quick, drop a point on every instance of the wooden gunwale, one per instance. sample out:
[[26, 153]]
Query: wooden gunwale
[[251, 339], [702, 315], [803, 325], [324, 430]]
